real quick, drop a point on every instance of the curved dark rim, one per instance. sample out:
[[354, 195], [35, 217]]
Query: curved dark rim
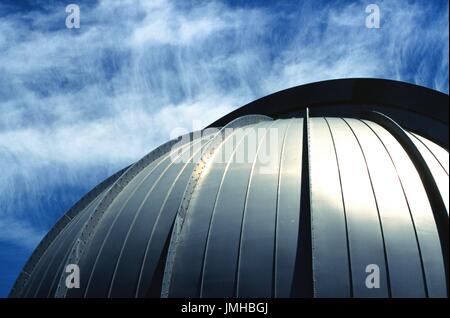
[[367, 91]]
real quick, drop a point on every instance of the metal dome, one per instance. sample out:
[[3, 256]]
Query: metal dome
[[294, 196]]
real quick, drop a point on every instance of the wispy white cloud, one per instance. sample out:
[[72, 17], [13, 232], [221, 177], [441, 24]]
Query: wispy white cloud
[[19, 232], [104, 95]]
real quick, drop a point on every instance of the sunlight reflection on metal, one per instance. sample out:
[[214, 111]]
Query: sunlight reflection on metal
[[368, 201]]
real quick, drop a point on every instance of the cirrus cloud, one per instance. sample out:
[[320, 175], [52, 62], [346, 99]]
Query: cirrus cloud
[[78, 104]]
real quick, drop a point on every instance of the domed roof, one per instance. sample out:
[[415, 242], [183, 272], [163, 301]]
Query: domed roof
[[294, 195]]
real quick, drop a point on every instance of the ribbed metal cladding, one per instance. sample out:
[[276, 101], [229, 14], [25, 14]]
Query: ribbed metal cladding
[[294, 206]]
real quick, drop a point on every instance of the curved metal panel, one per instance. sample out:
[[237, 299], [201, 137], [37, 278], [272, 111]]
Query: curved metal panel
[[48, 284], [22, 281], [288, 209], [331, 269], [404, 264], [52, 260], [115, 224], [438, 152], [438, 207], [221, 251], [87, 261], [103, 269], [439, 174], [366, 242], [301, 216], [210, 149], [193, 237], [421, 212], [257, 248], [127, 268], [90, 226], [160, 234]]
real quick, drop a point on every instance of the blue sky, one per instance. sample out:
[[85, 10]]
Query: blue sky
[[76, 105]]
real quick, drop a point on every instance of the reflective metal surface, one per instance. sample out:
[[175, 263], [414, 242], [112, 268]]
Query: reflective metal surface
[[277, 206], [365, 237], [421, 213]]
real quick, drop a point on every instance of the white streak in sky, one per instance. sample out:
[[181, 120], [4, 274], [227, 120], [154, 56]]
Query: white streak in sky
[[100, 97]]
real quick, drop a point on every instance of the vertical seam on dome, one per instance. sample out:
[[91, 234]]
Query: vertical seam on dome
[[303, 282], [432, 153], [104, 240], [207, 153], [277, 206], [349, 261], [161, 159], [100, 198], [68, 251], [205, 251], [64, 230], [117, 186], [47, 241], [33, 278], [309, 199], [386, 262], [139, 210], [431, 188], [53, 258], [409, 209], [238, 261], [157, 220]]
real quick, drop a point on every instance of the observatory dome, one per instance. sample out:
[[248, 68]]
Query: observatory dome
[[321, 190]]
